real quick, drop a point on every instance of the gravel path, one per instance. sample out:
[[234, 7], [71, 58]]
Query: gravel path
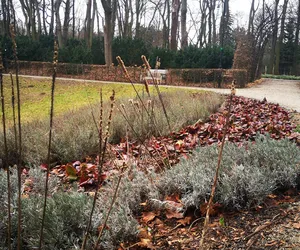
[[284, 92]]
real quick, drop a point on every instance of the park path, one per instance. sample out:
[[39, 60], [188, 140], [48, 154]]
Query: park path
[[284, 92]]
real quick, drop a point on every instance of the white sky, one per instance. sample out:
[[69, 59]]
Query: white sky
[[239, 9]]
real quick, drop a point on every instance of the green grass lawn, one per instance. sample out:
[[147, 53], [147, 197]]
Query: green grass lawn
[[282, 77], [69, 95], [77, 106]]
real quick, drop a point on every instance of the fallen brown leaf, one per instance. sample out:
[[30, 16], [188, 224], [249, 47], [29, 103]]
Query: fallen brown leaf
[[148, 216]]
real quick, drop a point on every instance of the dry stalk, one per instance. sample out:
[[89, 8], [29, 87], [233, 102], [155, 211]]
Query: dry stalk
[[110, 207], [125, 116], [100, 131], [148, 67], [121, 63], [213, 189], [102, 151], [13, 38], [14, 110], [6, 166], [55, 58]]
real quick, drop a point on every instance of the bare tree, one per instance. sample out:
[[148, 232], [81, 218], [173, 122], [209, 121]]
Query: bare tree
[[296, 44], [110, 9], [59, 34], [184, 34], [125, 18], [280, 39], [274, 39], [89, 22], [212, 33], [139, 9], [251, 45], [5, 9], [203, 23], [174, 28]]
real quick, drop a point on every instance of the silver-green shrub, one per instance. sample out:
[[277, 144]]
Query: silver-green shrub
[[68, 212], [248, 173]]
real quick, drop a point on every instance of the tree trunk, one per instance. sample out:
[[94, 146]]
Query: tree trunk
[[87, 24], [214, 28], [274, 40], [296, 44], [224, 22], [110, 8], [51, 28], [280, 39], [73, 18], [251, 18], [174, 28], [58, 24], [66, 21], [44, 18], [39, 20], [139, 6], [202, 34], [184, 34]]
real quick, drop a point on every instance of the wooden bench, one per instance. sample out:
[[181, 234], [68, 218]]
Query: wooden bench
[[156, 76], [159, 75]]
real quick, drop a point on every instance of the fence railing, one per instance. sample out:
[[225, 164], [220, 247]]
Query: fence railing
[[192, 77]]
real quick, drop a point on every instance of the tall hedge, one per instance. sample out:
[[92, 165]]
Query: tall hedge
[[76, 51]]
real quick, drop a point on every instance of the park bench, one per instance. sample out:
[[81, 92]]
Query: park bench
[[158, 75]]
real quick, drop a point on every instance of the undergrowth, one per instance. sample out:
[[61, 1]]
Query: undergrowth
[[68, 211], [75, 134], [248, 174]]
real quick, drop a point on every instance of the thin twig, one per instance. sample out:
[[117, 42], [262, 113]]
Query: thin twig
[[213, 189], [102, 151], [277, 218], [110, 208], [14, 110], [121, 63], [125, 116], [157, 90], [55, 57], [6, 166], [13, 38]]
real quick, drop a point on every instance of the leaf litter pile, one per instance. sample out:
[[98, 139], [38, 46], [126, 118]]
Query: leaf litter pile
[[175, 230]]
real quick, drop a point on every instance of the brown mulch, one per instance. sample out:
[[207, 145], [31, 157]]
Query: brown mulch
[[276, 225]]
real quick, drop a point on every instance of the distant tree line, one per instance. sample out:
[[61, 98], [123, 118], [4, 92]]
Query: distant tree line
[[181, 32]]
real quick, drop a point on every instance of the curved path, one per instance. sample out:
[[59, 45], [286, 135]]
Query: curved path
[[284, 92]]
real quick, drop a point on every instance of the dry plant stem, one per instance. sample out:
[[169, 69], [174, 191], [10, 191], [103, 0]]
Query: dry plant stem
[[14, 109], [6, 167], [13, 38], [100, 130], [158, 91], [49, 144], [125, 116], [109, 209], [213, 189], [121, 63], [276, 219], [102, 151]]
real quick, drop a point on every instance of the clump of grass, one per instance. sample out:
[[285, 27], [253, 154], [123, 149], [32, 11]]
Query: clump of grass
[[282, 77], [75, 134]]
